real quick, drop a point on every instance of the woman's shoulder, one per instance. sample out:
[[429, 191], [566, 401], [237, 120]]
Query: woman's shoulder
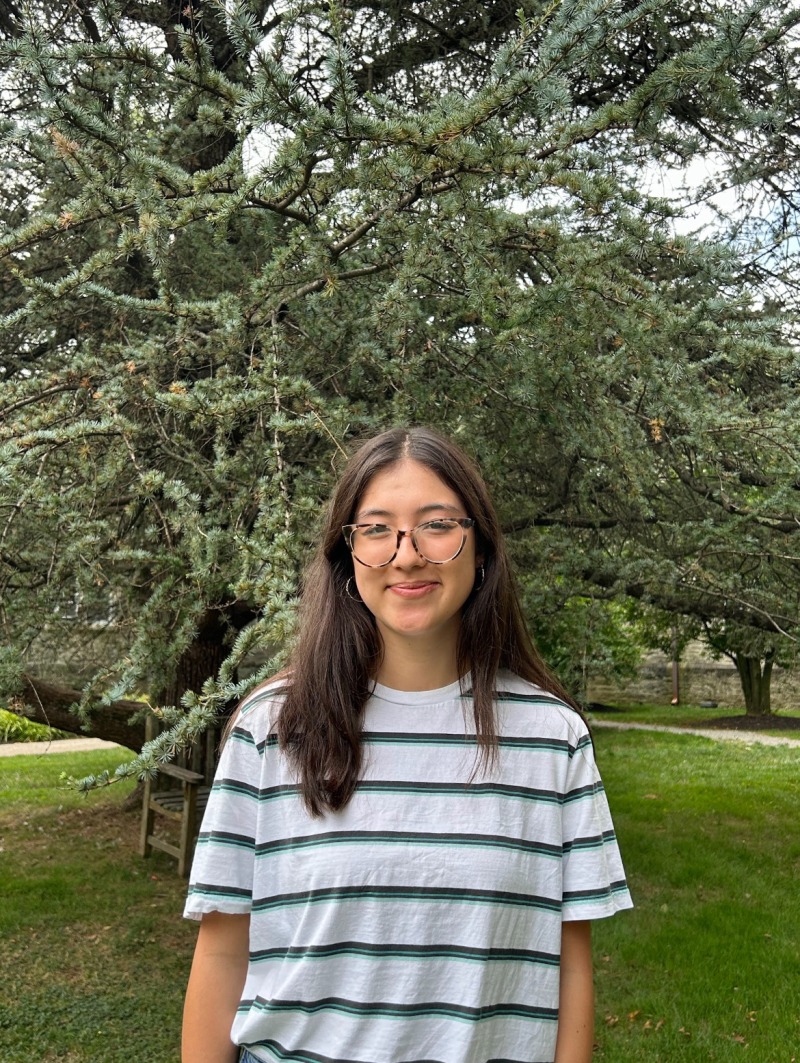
[[510, 686], [258, 711], [526, 701]]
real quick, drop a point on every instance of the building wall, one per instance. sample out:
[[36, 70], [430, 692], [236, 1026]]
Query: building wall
[[699, 679]]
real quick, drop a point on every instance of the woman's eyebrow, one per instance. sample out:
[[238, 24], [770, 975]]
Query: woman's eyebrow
[[430, 507]]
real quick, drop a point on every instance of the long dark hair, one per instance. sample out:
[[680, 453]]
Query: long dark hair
[[338, 650]]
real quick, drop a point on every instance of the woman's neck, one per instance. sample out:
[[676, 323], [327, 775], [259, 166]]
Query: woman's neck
[[417, 664]]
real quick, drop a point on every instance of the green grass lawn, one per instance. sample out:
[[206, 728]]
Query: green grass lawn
[[90, 931], [707, 966], [687, 716]]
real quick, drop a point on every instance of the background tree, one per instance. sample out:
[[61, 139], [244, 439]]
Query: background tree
[[442, 219], [754, 654]]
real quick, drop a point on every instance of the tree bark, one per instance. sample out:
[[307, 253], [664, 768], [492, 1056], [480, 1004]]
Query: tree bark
[[54, 706], [755, 680]]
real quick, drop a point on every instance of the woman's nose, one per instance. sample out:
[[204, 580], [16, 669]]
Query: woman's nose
[[406, 551]]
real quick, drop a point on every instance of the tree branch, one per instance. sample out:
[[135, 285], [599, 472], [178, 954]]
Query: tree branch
[[54, 706]]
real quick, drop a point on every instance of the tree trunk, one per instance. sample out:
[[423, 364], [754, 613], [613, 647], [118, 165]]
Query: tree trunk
[[755, 680], [200, 660], [53, 705]]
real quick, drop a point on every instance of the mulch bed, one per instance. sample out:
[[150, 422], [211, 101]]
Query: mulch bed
[[740, 722], [752, 723]]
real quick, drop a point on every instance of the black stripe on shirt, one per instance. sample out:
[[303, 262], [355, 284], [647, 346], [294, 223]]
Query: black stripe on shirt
[[425, 894], [619, 886], [285, 1055], [226, 837], [358, 837], [464, 789], [218, 890], [593, 841], [448, 738], [389, 950], [433, 789], [392, 1010]]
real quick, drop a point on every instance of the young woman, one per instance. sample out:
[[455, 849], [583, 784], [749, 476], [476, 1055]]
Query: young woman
[[407, 835]]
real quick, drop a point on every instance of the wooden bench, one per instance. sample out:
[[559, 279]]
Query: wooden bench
[[184, 806], [179, 794]]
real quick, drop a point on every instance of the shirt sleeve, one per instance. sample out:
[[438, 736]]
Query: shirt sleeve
[[593, 884], [221, 879]]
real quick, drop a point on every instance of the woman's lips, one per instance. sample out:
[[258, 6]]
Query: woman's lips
[[413, 590]]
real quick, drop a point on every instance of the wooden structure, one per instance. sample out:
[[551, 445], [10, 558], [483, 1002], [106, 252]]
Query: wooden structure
[[178, 795]]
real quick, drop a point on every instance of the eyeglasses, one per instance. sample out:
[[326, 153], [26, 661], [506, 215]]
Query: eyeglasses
[[437, 541]]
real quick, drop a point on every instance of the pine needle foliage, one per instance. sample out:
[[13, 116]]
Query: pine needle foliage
[[239, 235]]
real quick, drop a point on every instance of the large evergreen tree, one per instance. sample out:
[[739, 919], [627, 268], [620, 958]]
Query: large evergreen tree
[[239, 234]]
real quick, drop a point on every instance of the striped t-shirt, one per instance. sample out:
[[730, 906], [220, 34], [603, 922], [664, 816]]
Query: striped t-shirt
[[423, 921]]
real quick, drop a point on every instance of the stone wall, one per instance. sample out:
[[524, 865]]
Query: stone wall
[[700, 678]]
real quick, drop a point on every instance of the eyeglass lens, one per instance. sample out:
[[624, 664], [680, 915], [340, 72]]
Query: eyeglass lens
[[436, 540]]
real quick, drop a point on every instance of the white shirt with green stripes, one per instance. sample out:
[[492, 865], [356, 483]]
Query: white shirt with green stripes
[[422, 923]]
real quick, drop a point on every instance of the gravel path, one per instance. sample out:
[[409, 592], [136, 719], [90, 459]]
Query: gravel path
[[81, 745], [711, 732], [61, 745]]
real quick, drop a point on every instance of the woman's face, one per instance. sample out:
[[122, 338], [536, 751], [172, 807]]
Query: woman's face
[[412, 598]]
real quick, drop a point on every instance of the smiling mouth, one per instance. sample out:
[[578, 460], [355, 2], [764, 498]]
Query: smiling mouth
[[413, 590]]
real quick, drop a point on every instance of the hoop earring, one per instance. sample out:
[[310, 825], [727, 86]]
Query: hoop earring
[[477, 586], [353, 597]]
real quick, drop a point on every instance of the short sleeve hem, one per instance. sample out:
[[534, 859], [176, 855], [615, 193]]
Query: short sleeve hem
[[195, 909]]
